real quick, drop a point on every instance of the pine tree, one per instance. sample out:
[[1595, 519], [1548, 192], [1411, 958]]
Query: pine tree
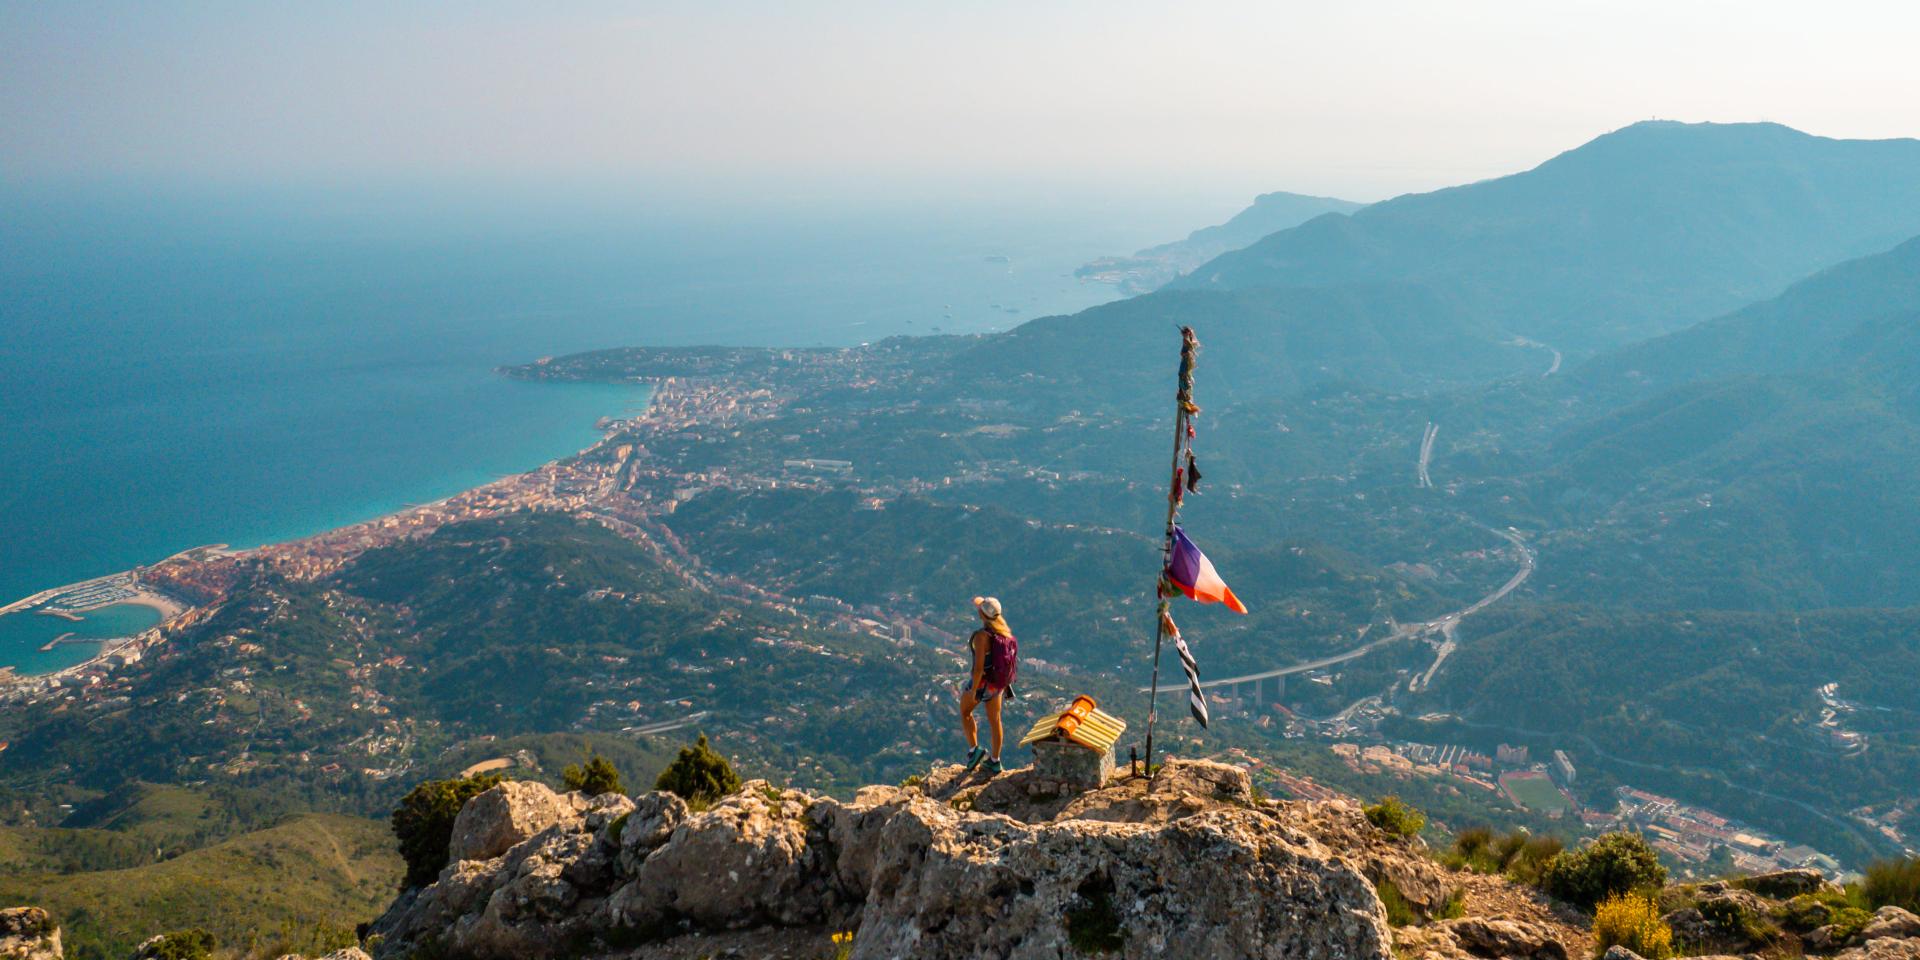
[[597, 776], [699, 775]]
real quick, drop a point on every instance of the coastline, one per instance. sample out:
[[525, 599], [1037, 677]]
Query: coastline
[[174, 612]]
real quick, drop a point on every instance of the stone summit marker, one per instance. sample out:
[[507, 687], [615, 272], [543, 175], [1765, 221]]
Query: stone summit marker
[[1074, 748]]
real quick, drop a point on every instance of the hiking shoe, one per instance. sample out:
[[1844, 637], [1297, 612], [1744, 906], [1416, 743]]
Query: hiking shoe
[[974, 756], [993, 767]]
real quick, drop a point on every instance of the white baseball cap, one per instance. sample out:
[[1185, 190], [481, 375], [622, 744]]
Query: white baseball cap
[[989, 607]]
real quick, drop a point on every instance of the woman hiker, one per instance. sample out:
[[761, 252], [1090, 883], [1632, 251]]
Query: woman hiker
[[996, 657]]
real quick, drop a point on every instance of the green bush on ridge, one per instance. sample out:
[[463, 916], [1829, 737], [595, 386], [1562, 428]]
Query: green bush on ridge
[[1395, 816], [1615, 864], [593, 778], [1893, 883], [698, 775]]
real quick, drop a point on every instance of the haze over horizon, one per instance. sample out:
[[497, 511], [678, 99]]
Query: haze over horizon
[[856, 99]]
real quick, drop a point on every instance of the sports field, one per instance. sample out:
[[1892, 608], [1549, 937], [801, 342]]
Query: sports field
[[1535, 791]]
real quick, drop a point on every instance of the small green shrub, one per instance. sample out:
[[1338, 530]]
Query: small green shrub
[[593, 778], [1518, 855], [1394, 816], [1455, 907], [1808, 911], [1615, 864], [190, 944], [1400, 911], [1632, 921], [1848, 922], [1894, 883], [423, 823], [618, 827], [1472, 850], [913, 780], [699, 775]]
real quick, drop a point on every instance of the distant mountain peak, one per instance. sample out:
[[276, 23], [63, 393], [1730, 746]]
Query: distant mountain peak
[[1635, 233], [1155, 266]]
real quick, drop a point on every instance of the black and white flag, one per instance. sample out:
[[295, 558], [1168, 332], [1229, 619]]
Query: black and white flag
[[1196, 701]]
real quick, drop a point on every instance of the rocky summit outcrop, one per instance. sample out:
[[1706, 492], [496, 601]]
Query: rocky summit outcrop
[[1786, 884], [1886, 948], [1725, 920], [27, 933], [1482, 937], [493, 822], [1892, 923], [1190, 865]]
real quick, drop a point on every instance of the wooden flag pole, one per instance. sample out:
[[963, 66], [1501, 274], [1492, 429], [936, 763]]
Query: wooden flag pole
[[1183, 404]]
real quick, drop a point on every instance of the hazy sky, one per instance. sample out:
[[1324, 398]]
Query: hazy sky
[[1359, 99]]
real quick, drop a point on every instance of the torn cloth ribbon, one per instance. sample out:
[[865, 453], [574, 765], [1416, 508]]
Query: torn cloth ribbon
[[1191, 571], [1196, 702]]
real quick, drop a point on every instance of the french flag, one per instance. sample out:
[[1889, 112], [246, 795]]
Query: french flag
[[1193, 573]]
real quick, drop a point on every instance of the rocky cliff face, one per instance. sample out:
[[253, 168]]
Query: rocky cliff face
[[1189, 866]]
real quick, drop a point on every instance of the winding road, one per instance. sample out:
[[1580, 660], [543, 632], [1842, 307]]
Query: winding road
[[1555, 368], [1446, 624], [1426, 455]]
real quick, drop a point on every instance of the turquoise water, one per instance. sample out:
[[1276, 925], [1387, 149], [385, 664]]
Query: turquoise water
[[180, 368], [30, 630]]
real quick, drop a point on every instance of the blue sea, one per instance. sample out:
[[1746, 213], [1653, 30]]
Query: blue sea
[[190, 365]]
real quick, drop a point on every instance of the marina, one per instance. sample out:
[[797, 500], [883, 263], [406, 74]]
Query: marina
[[79, 622]]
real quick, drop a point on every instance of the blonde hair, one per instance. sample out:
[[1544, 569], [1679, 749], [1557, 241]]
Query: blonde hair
[[992, 615]]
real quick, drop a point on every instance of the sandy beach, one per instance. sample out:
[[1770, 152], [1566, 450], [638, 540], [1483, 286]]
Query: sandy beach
[[152, 599]]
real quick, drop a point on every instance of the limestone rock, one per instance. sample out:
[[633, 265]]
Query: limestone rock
[[1891, 922], [1786, 884], [1426, 943], [1484, 937], [1203, 873], [1383, 857], [1218, 884], [27, 933], [1885, 948], [1722, 892], [528, 898], [508, 813], [743, 862], [1823, 939], [650, 824]]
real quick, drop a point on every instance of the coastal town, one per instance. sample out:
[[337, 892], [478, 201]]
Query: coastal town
[[613, 483]]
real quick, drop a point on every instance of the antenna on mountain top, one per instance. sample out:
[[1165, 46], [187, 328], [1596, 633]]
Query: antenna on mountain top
[[1189, 346], [1183, 568]]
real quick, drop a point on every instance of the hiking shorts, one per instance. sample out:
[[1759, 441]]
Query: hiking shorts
[[992, 692]]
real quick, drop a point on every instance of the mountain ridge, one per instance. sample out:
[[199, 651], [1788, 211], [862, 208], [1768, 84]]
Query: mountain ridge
[[1701, 217], [1150, 268]]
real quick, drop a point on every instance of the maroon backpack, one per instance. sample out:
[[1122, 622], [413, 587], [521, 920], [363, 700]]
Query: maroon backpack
[[1003, 661]]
